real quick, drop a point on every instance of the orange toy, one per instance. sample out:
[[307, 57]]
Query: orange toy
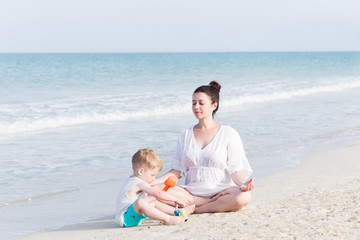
[[170, 182]]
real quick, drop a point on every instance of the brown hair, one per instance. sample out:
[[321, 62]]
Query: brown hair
[[213, 91], [146, 158]]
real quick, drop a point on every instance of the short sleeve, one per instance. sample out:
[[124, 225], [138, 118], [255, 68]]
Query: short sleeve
[[236, 158], [178, 163]]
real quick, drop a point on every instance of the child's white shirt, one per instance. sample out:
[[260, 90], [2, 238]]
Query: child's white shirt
[[124, 199]]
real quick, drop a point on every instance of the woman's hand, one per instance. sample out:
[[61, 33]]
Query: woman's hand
[[247, 186], [181, 203], [239, 179]]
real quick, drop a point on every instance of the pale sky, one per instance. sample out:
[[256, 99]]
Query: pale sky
[[179, 25]]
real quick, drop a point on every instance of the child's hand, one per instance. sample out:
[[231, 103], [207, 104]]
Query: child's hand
[[248, 186]]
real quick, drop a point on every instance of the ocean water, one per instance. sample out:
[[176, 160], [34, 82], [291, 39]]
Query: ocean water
[[69, 123]]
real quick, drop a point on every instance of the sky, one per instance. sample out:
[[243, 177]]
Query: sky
[[178, 25]]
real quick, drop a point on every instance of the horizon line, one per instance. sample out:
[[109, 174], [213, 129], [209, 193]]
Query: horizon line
[[188, 52]]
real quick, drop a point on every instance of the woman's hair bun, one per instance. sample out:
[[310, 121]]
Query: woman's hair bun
[[216, 85]]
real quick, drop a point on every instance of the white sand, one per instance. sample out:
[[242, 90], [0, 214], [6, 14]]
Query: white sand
[[318, 199]]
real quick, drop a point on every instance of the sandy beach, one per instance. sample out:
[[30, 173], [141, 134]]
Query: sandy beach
[[318, 199]]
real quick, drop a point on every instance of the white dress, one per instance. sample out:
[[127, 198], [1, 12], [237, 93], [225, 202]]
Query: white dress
[[207, 171]]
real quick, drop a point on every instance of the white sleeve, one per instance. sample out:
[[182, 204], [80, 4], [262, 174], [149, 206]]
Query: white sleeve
[[178, 163], [236, 159]]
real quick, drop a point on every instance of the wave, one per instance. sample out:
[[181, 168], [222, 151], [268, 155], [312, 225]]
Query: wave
[[47, 123], [44, 117], [37, 197], [284, 95], [54, 194]]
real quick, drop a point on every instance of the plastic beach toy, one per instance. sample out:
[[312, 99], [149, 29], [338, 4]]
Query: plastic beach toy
[[181, 213], [170, 182]]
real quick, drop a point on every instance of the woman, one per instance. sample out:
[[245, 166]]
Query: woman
[[211, 158]]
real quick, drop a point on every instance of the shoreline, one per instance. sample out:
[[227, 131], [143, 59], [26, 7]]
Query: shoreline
[[317, 199]]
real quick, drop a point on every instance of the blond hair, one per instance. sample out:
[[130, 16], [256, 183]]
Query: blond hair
[[146, 158]]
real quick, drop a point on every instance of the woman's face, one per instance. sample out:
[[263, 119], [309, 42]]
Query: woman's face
[[202, 106]]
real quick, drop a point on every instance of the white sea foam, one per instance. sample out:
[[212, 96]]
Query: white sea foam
[[41, 123], [284, 95], [47, 116]]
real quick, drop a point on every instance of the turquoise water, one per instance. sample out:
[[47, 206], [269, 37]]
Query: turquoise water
[[69, 123]]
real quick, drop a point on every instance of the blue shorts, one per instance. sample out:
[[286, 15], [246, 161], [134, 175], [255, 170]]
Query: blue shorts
[[132, 218]]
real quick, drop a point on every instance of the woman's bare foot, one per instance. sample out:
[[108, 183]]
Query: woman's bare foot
[[175, 220], [217, 196], [189, 209]]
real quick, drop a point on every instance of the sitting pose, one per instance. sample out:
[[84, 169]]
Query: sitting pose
[[211, 158], [138, 200]]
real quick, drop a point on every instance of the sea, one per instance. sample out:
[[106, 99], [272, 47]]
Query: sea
[[70, 123]]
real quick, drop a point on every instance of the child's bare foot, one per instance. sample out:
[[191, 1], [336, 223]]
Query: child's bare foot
[[175, 220]]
